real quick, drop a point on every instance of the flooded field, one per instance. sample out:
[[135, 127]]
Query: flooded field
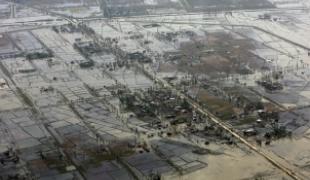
[[154, 89]]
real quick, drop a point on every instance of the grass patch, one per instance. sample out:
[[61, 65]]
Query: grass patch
[[217, 106], [246, 120]]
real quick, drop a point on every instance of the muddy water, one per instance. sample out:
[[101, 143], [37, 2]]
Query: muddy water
[[234, 164], [295, 151]]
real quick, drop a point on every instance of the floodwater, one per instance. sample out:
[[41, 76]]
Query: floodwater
[[295, 151], [236, 163]]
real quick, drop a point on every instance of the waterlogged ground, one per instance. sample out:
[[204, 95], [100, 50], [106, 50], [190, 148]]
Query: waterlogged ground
[[234, 163], [296, 151]]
